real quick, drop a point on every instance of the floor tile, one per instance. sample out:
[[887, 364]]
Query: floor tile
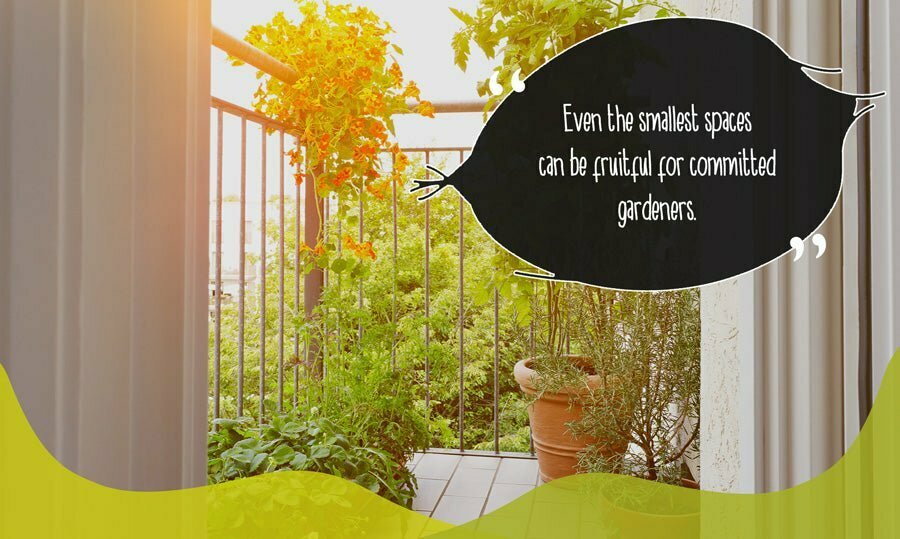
[[502, 494], [472, 461], [428, 494], [458, 509], [517, 471], [472, 482], [411, 464], [436, 466]]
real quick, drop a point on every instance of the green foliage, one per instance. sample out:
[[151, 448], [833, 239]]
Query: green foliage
[[393, 318], [528, 33], [242, 448], [647, 347], [372, 393]]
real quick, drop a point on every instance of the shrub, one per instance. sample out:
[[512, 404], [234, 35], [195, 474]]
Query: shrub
[[240, 448]]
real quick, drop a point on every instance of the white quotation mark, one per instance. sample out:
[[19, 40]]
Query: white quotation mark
[[819, 241], [496, 89], [517, 85], [516, 82], [798, 247]]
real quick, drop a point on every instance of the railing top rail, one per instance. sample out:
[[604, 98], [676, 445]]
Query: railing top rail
[[262, 119], [237, 110], [249, 54]]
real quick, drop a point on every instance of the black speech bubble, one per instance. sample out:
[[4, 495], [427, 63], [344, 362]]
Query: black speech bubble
[[570, 226]]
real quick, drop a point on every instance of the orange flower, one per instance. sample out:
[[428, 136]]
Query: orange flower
[[401, 162], [364, 152], [357, 125], [324, 140], [298, 178], [396, 73], [342, 176], [318, 251], [377, 189], [375, 53], [294, 156], [426, 109], [361, 250], [366, 251], [374, 104], [378, 131]]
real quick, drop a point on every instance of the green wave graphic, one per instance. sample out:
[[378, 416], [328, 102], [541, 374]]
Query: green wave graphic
[[858, 497]]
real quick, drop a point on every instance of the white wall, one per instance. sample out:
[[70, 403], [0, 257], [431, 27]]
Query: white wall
[[105, 111]]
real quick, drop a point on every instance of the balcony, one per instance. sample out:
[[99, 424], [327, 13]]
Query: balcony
[[313, 291]]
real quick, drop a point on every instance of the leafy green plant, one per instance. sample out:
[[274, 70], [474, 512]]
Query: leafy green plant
[[528, 33], [242, 448]]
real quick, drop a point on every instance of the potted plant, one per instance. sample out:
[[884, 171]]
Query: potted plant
[[639, 411], [558, 383], [650, 344]]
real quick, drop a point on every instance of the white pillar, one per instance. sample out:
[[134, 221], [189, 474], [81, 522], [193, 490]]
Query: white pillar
[[104, 116]]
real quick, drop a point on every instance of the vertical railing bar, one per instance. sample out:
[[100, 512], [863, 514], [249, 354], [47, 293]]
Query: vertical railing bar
[[340, 295], [217, 346], [326, 281], [568, 341], [532, 353], [531, 323], [297, 237], [427, 293], [361, 235], [281, 271], [242, 270], [496, 371], [262, 280], [462, 400], [394, 290]]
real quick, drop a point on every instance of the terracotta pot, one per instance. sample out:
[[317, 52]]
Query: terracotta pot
[[557, 450], [682, 520]]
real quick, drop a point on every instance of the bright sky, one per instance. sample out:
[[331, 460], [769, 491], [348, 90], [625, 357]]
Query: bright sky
[[422, 29]]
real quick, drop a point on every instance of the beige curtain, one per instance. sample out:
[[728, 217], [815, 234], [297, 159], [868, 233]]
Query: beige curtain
[[104, 113], [793, 353]]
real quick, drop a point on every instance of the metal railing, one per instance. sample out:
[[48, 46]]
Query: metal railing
[[305, 204], [315, 216]]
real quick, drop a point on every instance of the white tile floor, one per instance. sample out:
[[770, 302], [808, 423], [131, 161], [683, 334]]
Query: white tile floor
[[457, 489]]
